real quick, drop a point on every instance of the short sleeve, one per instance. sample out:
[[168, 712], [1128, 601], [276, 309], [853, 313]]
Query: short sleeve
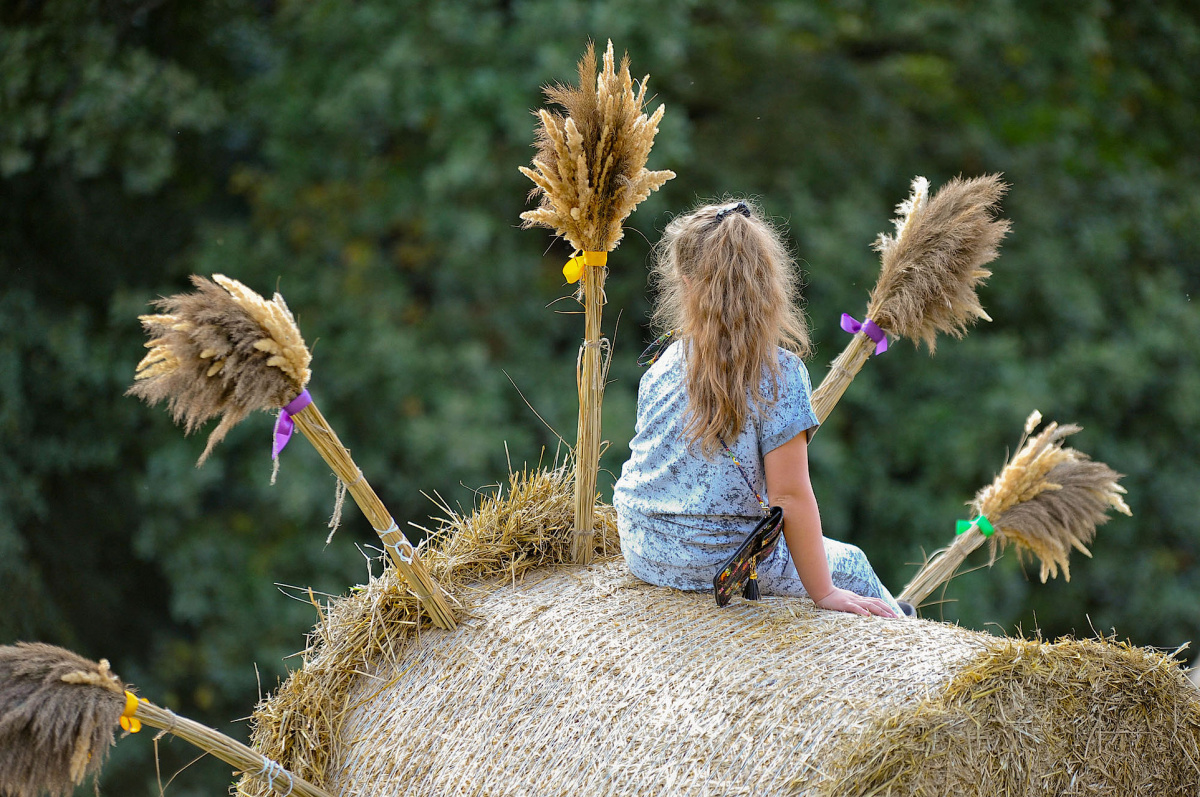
[[792, 412]]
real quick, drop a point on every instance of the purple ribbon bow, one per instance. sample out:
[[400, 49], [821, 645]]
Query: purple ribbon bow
[[284, 425], [869, 328]]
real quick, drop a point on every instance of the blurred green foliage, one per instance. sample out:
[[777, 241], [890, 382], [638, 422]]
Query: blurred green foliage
[[362, 158]]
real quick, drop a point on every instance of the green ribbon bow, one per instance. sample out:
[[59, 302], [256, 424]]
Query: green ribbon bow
[[985, 526]]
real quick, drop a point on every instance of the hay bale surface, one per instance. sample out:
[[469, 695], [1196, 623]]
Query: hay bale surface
[[592, 682], [568, 680]]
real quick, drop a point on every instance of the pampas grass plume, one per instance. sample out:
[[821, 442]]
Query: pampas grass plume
[[589, 171], [53, 737], [222, 350], [1049, 500], [933, 263]]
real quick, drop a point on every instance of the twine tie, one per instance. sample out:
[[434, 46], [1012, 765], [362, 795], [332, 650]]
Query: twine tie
[[170, 729], [869, 328], [401, 548], [270, 771]]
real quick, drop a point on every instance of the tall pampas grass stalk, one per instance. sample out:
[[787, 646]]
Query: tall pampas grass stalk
[[929, 271], [59, 713], [1046, 501], [226, 351], [589, 175]]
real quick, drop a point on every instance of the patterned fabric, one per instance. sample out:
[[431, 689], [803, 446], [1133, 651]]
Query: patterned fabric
[[681, 515]]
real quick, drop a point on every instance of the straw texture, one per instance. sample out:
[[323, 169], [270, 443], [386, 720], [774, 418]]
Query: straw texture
[[591, 682], [930, 269], [221, 351], [589, 175], [584, 680], [1047, 501], [588, 681], [522, 526], [1077, 717], [58, 715]]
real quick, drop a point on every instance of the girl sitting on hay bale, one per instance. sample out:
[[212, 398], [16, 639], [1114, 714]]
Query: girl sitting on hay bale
[[727, 413]]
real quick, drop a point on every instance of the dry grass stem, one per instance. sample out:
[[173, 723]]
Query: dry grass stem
[[1046, 501], [591, 375], [244, 760], [221, 351], [589, 174], [841, 373], [58, 716], [930, 269], [590, 168], [312, 425]]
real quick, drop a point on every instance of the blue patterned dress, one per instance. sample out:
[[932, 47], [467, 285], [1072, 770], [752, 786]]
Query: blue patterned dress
[[681, 515]]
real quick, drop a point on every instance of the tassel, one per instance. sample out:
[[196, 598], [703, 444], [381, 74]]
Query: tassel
[[750, 591]]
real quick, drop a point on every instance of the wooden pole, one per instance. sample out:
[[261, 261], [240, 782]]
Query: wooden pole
[[313, 425]]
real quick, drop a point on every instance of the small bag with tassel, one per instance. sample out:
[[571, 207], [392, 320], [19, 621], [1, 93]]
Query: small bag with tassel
[[741, 569]]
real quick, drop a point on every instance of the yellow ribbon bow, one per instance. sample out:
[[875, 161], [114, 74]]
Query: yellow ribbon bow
[[128, 721], [573, 270]]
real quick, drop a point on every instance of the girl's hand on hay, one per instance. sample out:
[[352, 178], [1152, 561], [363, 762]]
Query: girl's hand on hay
[[843, 600]]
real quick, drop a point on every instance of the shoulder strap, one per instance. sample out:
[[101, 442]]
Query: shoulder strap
[[766, 509], [655, 350]]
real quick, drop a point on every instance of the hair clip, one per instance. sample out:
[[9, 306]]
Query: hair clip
[[740, 207]]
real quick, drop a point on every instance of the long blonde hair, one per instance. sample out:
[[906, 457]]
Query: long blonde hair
[[727, 286]]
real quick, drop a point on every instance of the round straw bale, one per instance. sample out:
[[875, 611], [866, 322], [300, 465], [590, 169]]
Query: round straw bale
[[587, 681]]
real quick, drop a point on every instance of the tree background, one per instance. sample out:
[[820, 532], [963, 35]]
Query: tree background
[[362, 158]]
